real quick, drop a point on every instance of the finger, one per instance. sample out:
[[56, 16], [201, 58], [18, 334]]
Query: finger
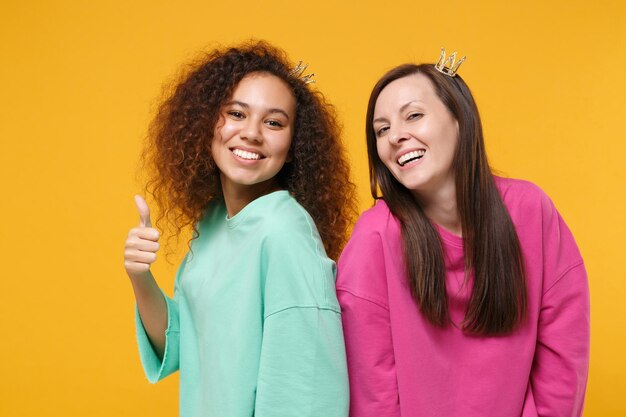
[[134, 255], [147, 233], [145, 245], [144, 211], [136, 267]]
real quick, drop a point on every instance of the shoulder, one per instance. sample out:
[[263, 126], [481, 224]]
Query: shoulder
[[285, 220], [513, 189], [288, 235], [377, 222], [524, 199], [373, 252], [294, 264], [539, 225], [377, 232]]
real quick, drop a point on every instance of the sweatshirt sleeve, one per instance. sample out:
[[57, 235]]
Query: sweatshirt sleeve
[[559, 373], [362, 294], [155, 368], [302, 368]]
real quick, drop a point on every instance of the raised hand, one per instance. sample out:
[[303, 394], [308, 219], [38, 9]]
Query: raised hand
[[140, 249], [139, 253]]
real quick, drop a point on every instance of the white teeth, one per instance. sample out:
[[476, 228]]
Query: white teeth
[[245, 154], [411, 155]]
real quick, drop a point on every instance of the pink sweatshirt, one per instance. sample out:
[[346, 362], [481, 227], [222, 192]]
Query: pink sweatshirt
[[401, 365]]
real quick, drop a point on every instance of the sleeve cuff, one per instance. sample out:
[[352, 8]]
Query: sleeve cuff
[[154, 368]]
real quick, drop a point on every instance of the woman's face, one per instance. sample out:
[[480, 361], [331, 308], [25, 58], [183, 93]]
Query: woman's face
[[416, 135], [253, 134]]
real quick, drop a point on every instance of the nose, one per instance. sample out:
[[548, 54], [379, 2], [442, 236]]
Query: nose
[[397, 135], [251, 131]]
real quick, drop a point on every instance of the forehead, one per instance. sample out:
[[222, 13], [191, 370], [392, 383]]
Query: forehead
[[264, 90], [414, 87]]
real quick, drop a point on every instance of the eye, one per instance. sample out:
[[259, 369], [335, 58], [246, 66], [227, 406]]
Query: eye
[[381, 131], [274, 124], [413, 116], [236, 114]]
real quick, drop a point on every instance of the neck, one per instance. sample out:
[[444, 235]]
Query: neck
[[237, 196], [440, 207]]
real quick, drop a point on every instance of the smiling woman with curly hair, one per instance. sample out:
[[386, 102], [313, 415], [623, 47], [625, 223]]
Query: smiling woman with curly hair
[[245, 153], [185, 178]]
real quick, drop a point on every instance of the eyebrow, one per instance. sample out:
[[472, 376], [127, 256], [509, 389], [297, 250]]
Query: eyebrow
[[247, 106], [403, 108]]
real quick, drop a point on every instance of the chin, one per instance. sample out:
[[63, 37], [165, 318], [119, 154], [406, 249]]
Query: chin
[[413, 184]]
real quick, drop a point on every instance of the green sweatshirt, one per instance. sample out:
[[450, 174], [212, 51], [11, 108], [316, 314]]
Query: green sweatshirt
[[254, 326]]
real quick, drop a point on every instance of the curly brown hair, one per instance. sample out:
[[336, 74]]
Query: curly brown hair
[[184, 179]]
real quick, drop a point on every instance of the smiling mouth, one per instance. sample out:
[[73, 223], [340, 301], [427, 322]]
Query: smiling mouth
[[411, 156], [250, 156]]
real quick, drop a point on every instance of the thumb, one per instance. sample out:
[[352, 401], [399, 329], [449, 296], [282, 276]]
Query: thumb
[[144, 211]]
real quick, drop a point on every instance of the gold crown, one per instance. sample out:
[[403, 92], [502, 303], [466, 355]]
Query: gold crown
[[298, 72], [451, 69]]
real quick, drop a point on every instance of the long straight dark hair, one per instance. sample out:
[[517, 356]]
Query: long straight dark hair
[[491, 247]]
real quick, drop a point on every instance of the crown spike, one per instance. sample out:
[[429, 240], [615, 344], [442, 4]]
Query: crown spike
[[449, 66], [298, 71], [308, 78]]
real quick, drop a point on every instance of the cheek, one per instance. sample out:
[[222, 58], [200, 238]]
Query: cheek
[[225, 129], [383, 152], [215, 146], [452, 144], [380, 149], [283, 142], [448, 140]]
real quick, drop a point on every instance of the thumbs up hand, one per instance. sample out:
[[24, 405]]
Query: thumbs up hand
[[142, 243]]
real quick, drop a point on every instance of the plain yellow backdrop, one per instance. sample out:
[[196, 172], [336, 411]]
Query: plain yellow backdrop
[[80, 80]]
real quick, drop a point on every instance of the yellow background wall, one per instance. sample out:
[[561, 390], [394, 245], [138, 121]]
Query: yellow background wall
[[79, 80]]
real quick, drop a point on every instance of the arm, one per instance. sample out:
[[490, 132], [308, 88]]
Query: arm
[[371, 362], [156, 315], [158, 366], [560, 366], [151, 310], [140, 251], [362, 293], [302, 368], [559, 373]]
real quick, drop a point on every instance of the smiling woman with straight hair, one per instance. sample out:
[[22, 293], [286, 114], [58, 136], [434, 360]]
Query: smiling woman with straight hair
[[462, 293]]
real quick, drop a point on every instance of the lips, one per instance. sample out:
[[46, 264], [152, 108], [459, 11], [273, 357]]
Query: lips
[[410, 156]]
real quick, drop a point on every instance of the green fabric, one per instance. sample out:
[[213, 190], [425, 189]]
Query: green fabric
[[255, 326]]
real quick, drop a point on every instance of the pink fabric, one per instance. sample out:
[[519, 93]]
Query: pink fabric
[[401, 365]]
